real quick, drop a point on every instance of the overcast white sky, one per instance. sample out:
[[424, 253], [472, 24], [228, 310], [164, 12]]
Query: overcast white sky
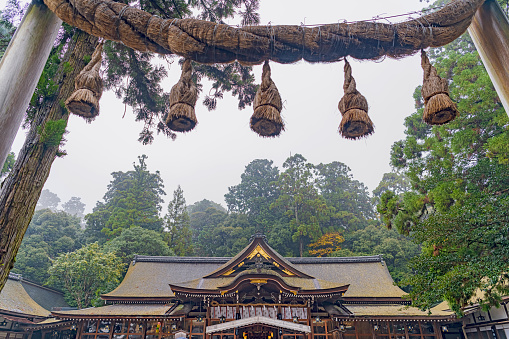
[[213, 156]]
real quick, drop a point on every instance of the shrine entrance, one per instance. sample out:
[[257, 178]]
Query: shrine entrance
[[259, 327], [261, 331], [258, 331]]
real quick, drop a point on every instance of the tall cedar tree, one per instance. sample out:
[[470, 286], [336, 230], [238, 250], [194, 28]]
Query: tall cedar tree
[[255, 193], [349, 197], [300, 200], [47, 116], [133, 198], [459, 206], [177, 225]]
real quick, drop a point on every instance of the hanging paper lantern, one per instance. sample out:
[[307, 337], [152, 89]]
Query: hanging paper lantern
[[266, 120], [439, 109], [353, 106], [183, 96], [84, 101]]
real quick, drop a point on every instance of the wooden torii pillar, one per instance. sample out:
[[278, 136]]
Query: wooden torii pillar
[[490, 32], [21, 67]]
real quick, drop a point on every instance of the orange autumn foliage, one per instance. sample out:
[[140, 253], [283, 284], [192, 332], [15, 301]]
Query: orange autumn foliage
[[326, 244]]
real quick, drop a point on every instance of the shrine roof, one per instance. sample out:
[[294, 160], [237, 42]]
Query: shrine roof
[[224, 283], [399, 311], [367, 276], [149, 277], [117, 310], [15, 299], [48, 298]]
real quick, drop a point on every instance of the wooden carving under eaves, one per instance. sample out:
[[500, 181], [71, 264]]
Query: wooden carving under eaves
[[258, 255]]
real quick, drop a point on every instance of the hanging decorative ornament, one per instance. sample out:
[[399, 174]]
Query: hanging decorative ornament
[[183, 96], [354, 108], [439, 109], [84, 101], [266, 120]]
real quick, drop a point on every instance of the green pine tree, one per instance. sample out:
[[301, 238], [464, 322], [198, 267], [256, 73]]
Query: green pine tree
[[458, 208]]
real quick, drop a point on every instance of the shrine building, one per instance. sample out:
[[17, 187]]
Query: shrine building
[[258, 294]]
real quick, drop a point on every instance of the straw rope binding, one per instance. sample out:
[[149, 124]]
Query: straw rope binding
[[183, 96], [439, 109], [84, 101], [208, 42], [353, 106], [266, 120]]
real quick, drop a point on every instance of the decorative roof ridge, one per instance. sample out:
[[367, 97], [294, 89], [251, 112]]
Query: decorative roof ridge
[[138, 302], [14, 276], [377, 303], [335, 260], [186, 260], [44, 287], [223, 260]]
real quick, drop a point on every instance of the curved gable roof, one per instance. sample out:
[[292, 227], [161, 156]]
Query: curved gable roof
[[148, 277], [15, 299], [368, 276], [258, 246]]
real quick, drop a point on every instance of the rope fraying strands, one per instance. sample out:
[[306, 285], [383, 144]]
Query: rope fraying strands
[[207, 42], [353, 106], [266, 120], [183, 96], [439, 109], [84, 101]]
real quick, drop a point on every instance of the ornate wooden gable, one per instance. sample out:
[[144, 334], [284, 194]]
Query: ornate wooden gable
[[260, 274], [258, 255]]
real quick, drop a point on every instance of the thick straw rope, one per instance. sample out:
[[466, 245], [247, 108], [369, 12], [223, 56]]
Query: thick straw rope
[[208, 42]]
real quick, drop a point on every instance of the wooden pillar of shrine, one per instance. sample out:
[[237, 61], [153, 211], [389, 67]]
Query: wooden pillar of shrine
[[490, 32]]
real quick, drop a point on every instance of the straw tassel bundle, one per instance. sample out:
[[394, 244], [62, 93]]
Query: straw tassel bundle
[[84, 101], [439, 109], [353, 106], [183, 96], [266, 120]]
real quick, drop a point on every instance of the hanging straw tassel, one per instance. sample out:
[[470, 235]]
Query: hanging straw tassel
[[354, 108], [266, 120], [84, 101], [438, 106], [183, 96]]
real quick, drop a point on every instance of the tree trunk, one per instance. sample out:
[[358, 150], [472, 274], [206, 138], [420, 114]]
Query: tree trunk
[[21, 190]]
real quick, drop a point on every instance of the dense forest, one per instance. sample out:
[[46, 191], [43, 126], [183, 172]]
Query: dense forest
[[304, 210]]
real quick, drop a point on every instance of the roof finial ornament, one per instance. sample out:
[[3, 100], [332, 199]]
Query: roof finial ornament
[[258, 235]]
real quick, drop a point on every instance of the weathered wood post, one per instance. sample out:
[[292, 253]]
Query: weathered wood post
[[21, 68], [490, 32]]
